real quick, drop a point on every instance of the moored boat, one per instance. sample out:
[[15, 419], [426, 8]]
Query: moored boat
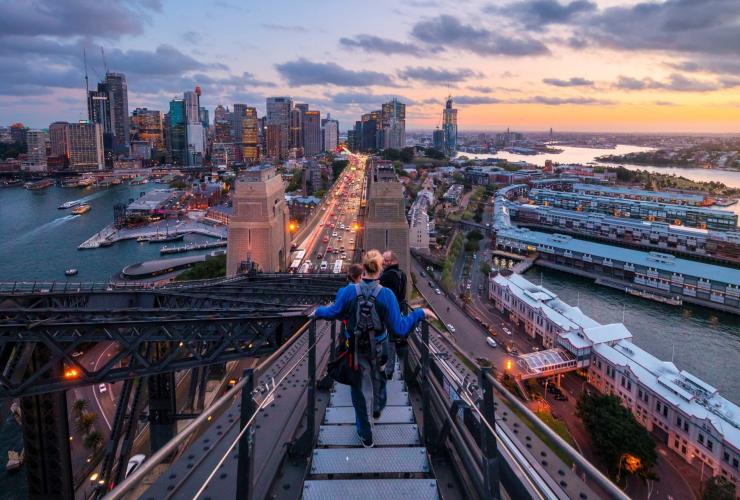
[[36, 185]]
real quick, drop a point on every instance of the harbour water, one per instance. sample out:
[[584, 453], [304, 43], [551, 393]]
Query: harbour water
[[39, 242]]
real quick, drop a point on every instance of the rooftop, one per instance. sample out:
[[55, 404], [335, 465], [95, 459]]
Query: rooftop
[[638, 192], [663, 262], [152, 200]]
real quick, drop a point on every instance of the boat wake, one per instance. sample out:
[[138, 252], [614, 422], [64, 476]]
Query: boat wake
[[93, 196]]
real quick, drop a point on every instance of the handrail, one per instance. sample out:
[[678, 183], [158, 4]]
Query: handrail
[[145, 468]]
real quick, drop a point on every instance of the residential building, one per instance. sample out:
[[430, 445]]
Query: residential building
[[118, 102], [59, 139], [329, 133], [278, 119], [449, 127], [146, 125], [393, 123], [311, 133], [86, 146], [250, 135], [438, 140], [420, 227], [36, 154]]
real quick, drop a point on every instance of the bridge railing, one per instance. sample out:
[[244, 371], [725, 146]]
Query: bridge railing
[[458, 420]]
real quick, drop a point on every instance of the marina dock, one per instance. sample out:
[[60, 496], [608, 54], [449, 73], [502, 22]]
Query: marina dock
[[192, 247], [110, 234]]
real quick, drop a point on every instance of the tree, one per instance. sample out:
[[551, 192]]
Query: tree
[[485, 268], [296, 182], [79, 406], [618, 439], [718, 488], [85, 422], [472, 246], [337, 166], [407, 155], [93, 440], [214, 267], [474, 234]]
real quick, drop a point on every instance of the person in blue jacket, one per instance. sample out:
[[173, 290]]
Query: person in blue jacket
[[371, 356]]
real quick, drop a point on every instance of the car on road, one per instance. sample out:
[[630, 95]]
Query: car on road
[[492, 331], [450, 328], [324, 266], [102, 388], [431, 283], [491, 342], [334, 234], [422, 274], [438, 291], [134, 464], [507, 331], [561, 397]]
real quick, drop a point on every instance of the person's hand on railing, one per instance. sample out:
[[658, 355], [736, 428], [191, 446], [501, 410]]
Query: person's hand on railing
[[429, 314]]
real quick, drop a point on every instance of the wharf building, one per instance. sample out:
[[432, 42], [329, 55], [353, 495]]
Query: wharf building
[[385, 225], [658, 276], [699, 217], [258, 227], [719, 246], [679, 409]]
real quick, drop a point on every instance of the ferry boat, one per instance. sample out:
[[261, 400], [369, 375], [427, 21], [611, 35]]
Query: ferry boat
[[36, 185], [69, 204], [10, 183], [86, 181], [82, 209], [70, 272]]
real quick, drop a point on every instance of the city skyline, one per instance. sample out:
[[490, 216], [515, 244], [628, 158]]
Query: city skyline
[[578, 66]]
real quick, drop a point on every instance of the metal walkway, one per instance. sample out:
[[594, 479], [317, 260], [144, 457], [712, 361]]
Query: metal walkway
[[397, 467]]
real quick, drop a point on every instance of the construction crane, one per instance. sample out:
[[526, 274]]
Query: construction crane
[[105, 64]]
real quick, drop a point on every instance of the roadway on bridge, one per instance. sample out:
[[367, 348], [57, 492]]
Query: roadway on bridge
[[341, 211]]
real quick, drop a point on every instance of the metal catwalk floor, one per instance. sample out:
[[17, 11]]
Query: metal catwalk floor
[[397, 467]]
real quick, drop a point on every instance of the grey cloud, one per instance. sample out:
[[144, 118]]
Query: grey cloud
[[558, 101], [304, 72], [165, 60], [483, 89], [706, 27], [434, 75], [575, 42], [575, 81], [664, 103], [372, 43], [73, 18], [538, 13], [365, 98], [675, 82], [470, 100], [192, 37], [285, 27], [448, 31]]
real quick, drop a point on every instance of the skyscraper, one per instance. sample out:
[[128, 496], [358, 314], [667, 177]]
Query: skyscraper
[[177, 134], [370, 128], [394, 124], [59, 139], [329, 133], [146, 125], [250, 135], [195, 135], [278, 116], [220, 114], [449, 127], [311, 133], [438, 140], [85, 146], [118, 96], [236, 122], [36, 154], [99, 111], [295, 136]]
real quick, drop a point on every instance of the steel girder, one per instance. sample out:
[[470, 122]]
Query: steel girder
[[193, 342]]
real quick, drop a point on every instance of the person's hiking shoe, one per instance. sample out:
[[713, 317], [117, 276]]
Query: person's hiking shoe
[[377, 413], [367, 443]]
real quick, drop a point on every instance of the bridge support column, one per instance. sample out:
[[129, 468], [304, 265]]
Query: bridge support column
[[162, 423], [491, 466], [46, 438]]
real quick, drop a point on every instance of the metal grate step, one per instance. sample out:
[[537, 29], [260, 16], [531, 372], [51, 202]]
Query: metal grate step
[[387, 489], [390, 415], [383, 435], [369, 460], [395, 398]]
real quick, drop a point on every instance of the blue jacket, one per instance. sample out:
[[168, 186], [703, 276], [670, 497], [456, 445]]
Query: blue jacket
[[386, 303]]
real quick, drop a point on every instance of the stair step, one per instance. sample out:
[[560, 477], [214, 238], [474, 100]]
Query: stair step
[[390, 415], [395, 398], [369, 460], [387, 489], [383, 435]]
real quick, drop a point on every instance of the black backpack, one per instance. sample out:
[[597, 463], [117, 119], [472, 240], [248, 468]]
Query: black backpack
[[367, 320]]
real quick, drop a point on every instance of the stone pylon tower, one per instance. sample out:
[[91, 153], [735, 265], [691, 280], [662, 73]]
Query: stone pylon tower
[[386, 227], [258, 227]]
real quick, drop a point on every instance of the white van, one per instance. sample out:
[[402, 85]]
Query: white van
[[324, 266], [491, 342]]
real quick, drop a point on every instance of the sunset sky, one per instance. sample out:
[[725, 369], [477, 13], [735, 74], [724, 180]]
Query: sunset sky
[[581, 65]]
